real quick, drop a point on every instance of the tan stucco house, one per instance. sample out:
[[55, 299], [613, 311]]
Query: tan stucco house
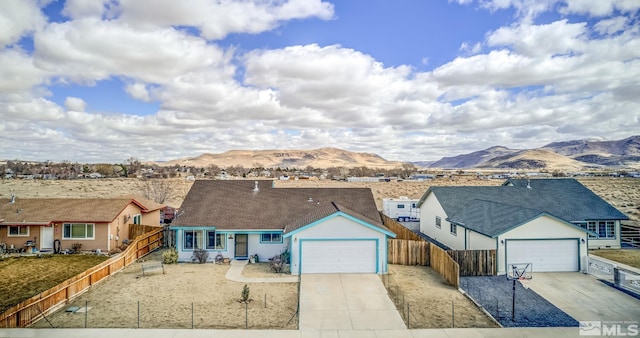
[[45, 224]]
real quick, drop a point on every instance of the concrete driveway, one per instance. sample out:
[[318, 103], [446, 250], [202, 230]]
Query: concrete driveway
[[583, 297], [346, 302]]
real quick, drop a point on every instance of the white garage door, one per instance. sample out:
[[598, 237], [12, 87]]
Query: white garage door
[[546, 255], [338, 256]]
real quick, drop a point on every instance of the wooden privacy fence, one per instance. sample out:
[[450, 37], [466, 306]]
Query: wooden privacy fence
[[475, 262], [444, 264], [136, 230], [31, 310], [407, 252], [400, 231], [410, 249]]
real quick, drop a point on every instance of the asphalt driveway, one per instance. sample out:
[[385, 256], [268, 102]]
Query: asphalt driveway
[[346, 302], [584, 297]]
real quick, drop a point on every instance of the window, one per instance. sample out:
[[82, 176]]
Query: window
[[438, 222], [137, 219], [400, 206], [604, 229], [274, 237], [18, 231], [216, 241], [453, 228], [78, 231], [192, 239]]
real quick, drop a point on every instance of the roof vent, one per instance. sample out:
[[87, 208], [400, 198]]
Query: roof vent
[[13, 198], [310, 199], [528, 184], [255, 188]]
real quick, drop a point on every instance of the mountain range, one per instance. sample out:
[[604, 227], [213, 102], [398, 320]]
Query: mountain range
[[569, 155], [317, 158]]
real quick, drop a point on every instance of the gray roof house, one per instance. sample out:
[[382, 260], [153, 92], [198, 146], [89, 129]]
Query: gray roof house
[[534, 220], [325, 230]]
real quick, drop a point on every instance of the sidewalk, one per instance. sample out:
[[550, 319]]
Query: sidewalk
[[171, 333], [235, 274]]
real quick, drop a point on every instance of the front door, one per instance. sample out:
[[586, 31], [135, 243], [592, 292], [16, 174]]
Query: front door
[[46, 238], [242, 246]]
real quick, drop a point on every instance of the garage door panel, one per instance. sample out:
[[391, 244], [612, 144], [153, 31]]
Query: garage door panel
[[545, 255], [338, 256]]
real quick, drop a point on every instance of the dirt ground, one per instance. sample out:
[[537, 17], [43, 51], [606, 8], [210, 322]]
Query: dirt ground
[[167, 301], [432, 303]]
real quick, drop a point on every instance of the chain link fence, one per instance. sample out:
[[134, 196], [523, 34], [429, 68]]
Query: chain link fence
[[258, 313]]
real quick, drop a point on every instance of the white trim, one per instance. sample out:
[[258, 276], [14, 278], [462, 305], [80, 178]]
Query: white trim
[[85, 232], [18, 226]]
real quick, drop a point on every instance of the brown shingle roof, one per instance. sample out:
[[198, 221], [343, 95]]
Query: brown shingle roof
[[325, 211], [235, 205], [46, 210]]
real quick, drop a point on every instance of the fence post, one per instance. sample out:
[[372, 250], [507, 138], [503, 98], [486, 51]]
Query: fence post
[[191, 315]]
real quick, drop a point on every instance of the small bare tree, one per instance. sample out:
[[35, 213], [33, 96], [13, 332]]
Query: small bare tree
[[158, 190]]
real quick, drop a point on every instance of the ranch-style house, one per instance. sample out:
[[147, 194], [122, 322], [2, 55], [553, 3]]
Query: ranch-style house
[[39, 224], [550, 223], [324, 230]]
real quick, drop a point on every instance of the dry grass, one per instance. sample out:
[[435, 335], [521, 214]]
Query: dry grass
[[629, 257], [186, 294], [430, 300], [261, 270], [25, 277]]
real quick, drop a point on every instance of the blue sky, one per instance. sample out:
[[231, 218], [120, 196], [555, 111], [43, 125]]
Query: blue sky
[[410, 80]]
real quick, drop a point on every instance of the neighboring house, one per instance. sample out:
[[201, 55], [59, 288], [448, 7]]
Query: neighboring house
[[550, 223], [325, 230], [93, 222]]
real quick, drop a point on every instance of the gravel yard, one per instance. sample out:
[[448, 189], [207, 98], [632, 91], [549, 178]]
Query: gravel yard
[[531, 309]]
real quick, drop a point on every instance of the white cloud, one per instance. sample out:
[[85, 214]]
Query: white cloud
[[75, 104], [600, 8], [138, 91], [89, 50], [17, 72], [559, 37], [217, 19], [611, 26], [17, 18], [81, 8], [524, 82]]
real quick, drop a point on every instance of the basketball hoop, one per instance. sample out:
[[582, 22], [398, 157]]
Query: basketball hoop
[[518, 272]]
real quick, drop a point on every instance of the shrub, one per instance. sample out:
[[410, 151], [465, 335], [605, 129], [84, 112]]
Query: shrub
[[170, 256], [200, 256], [245, 294], [277, 264], [75, 247]]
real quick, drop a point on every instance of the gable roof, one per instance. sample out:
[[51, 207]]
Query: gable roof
[[493, 219], [38, 211], [566, 199], [495, 210], [234, 205], [327, 210]]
